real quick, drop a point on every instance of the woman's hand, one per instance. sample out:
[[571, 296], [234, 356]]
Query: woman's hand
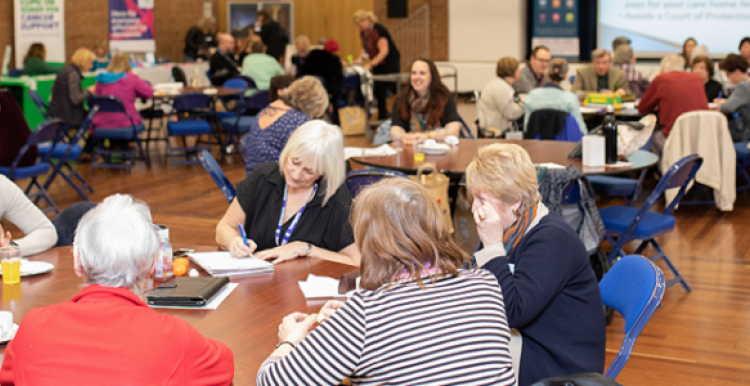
[[295, 327], [4, 237], [330, 308], [284, 253], [237, 247], [409, 138], [490, 226]]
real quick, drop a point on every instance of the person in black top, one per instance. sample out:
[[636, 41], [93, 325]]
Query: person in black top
[[703, 66], [384, 56], [222, 65], [426, 109], [297, 207], [303, 49], [199, 38], [272, 34], [326, 65]]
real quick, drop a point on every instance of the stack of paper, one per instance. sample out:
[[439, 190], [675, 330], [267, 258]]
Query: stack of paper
[[222, 264], [322, 287], [382, 151]]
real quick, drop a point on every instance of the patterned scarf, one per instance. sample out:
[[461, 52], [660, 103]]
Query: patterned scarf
[[512, 236], [418, 108]]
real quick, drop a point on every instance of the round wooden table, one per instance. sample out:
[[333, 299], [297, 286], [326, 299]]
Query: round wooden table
[[455, 161]]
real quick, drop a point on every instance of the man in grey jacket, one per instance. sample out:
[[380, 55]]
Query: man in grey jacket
[[535, 73]]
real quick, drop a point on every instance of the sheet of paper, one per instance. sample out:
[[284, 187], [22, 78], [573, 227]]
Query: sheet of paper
[[628, 105], [550, 165], [382, 151], [217, 262], [589, 110], [213, 304], [321, 287]]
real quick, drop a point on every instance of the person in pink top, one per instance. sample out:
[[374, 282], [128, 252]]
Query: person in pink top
[[120, 82]]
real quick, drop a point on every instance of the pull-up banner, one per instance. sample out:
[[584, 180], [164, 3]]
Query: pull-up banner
[[40, 21], [555, 25], [131, 25]]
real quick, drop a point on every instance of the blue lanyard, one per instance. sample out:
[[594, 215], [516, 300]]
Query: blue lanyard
[[293, 225]]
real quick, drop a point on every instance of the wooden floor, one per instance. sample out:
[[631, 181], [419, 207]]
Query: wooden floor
[[698, 338]]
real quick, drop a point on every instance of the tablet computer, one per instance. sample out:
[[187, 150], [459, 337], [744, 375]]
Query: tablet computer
[[186, 291]]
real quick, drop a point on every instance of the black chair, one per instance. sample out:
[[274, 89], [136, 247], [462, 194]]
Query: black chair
[[66, 222]]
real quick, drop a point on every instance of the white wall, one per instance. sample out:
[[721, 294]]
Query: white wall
[[486, 30]]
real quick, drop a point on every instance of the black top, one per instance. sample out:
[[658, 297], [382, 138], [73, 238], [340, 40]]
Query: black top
[[298, 61], [325, 65], [450, 114], [222, 68], [275, 39], [68, 96], [261, 196], [713, 88], [392, 62], [553, 299], [195, 40]]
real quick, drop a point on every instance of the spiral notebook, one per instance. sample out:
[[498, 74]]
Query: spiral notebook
[[223, 264]]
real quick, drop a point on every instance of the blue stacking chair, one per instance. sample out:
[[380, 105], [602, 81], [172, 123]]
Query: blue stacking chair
[[214, 170], [237, 83], [236, 126], [194, 113], [634, 287], [626, 188], [47, 131], [625, 223], [112, 104], [743, 162], [39, 102], [359, 179], [65, 152], [249, 82], [259, 100]]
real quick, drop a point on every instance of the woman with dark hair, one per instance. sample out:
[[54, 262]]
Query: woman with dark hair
[[704, 67], [198, 39], [745, 48], [687, 50], [426, 109], [272, 34], [735, 67], [34, 62]]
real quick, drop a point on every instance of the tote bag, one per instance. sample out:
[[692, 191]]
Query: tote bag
[[352, 120], [437, 184]]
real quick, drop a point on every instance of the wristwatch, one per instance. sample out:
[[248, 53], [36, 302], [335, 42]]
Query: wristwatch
[[309, 249], [283, 343]]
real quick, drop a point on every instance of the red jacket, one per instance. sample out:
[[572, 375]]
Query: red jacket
[[674, 93], [108, 336]]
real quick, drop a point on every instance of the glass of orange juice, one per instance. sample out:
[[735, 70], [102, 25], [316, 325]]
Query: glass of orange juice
[[10, 263]]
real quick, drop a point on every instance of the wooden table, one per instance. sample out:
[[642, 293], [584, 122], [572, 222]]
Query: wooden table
[[455, 161], [247, 322]]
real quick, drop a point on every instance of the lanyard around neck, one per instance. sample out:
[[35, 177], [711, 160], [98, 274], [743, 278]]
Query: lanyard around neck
[[293, 225]]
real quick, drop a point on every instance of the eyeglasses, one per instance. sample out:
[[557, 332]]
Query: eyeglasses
[[543, 60]]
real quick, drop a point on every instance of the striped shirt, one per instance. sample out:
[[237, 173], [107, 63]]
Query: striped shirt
[[454, 332]]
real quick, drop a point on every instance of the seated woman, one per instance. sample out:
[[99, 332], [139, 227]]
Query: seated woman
[[426, 109], [401, 327], [302, 43], [260, 66], [552, 96], [121, 82], [500, 106], [34, 62], [303, 100], [306, 190], [100, 335], [551, 294], [735, 67], [39, 233], [102, 56], [68, 94], [704, 67]]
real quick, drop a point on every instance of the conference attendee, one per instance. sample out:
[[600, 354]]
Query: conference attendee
[[620, 40], [425, 109], [672, 93], [102, 56], [687, 50], [222, 66], [120, 81], [535, 73], [279, 83], [297, 207], [703, 66], [302, 43], [107, 334], [600, 77], [383, 54], [500, 106], [34, 63], [273, 35], [67, 92], [199, 39], [261, 66], [39, 234], [552, 96], [736, 69], [625, 60], [698, 51], [419, 318], [327, 65], [303, 100], [552, 298], [745, 48]]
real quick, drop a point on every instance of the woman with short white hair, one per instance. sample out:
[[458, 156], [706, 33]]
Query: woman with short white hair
[[297, 207], [101, 333]]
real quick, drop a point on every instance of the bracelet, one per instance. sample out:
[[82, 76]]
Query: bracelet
[[309, 249], [283, 343]]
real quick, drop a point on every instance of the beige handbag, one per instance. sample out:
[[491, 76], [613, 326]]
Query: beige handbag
[[353, 120], [465, 228], [437, 184]]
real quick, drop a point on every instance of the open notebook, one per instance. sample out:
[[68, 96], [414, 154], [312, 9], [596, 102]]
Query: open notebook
[[222, 264]]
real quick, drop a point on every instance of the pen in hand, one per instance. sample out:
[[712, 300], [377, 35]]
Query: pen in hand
[[244, 235]]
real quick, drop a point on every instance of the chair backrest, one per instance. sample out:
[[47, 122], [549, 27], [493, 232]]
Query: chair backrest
[[571, 132], [47, 131], [351, 81], [260, 99], [679, 176], [248, 81], [237, 83], [179, 75], [39, 102], [110, 104], [359, 179], [634, 287], [214, 170], [192, 101], [67, 221], [465, 132], [86, 125]]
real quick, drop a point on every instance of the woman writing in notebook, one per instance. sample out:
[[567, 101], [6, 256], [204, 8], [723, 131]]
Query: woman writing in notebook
[[297, 207]]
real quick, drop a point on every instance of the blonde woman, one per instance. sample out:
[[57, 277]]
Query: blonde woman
[[552, 299], [304, 99], [121, 82], [383, 54], [303, 48], [297, 207], [419, 318], [199, 39], [67, 92]]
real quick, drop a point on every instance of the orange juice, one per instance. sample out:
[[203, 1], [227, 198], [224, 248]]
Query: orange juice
[[11, 270]]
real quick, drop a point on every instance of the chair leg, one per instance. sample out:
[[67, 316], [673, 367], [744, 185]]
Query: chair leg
[[145, 156], [678, 277]]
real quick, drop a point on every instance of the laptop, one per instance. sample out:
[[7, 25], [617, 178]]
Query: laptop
[[186, 291]]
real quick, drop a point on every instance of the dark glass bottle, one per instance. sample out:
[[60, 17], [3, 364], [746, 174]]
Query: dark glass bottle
[[609, 129]]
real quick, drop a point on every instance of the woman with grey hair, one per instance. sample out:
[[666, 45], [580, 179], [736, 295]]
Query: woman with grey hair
[[625, 60], [296, 207], [304, 99], [552, 96], [100, 335]]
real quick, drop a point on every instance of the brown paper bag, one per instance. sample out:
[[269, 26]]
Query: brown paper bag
[[437, 184], [465, 228], [352, 120]]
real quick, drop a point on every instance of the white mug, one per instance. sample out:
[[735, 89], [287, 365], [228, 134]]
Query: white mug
[[6, 325]]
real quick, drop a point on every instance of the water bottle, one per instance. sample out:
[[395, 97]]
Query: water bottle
[[609, 129], [163, 270]]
